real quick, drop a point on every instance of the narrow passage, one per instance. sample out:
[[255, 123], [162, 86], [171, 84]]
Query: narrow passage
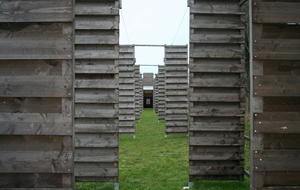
[[152, 161]]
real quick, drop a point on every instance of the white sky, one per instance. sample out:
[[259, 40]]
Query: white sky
[[153, 22]]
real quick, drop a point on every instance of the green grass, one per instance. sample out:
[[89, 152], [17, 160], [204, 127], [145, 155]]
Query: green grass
[[153, 162]]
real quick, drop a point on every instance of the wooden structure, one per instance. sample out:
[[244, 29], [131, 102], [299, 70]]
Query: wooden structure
[[161, 93], [176, 81], [36, 94], [138, 92], [216, 87], [275, 95], [126, 91], [96, 87], [155, 94]]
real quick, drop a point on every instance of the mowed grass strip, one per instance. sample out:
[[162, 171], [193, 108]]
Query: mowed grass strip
[[152, 161]]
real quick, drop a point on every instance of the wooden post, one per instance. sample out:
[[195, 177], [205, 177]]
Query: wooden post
[[217, 69], [275, 94], [36, 94]]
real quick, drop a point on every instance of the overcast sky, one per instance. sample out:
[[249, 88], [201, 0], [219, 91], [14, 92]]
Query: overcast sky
[[153, 22]]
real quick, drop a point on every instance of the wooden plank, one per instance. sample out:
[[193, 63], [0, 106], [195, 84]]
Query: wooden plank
[[96, 54], [96, 128], [222, 7], [216, 156], [215, 97], [35, 49], [200, 126], [215, 82], [214, 52], [276, 12], [25, 180], [95, 9], [216, 170], [278, 122], [276, 86], [272, 160], [216, 141], [96, 39], [211, 24], [96, 141], [35, 124], [36, 11], [94, 172], [35, 86], [224, 112], [96, 113], [36, 161], [276, 49], [96, 155], [205, 38], [96, 98], [96, 83], [94, 23], [217, 68]]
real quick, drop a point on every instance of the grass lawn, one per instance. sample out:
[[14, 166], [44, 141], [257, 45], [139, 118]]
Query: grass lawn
[[153, 162]]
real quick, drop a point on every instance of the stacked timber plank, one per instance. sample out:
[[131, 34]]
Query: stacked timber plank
[[96, 86], [126, 90], [176, 80], [36, 90], [217, 93], [161, 93], [137, 91], [275, 102], [155, 94]]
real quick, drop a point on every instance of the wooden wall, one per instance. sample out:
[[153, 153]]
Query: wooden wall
[[176, 96], [275, 95], [96, 87], [36, 90], [216, 87], [161, 93], [138, 92], [126, 90]]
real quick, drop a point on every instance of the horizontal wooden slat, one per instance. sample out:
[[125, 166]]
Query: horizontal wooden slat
[[96, 140], [216, 141], [215, 82], [276, 12], [35, 124], [221, 7], [224, 112], [278, 122], [96, 113], [36, 11], [96, 98], [272, 160], [96, 54], [199, 126], [216, 170], [276, 86], [96, 39], [203, 38], [182, 129], [214, 97], [96, 83], [95, 9], [216, 53], [36, 161], [216, 156], [217, 68], [96, 128], [101, 172], [217, 25], [89, 23], [276, 49], [96, 155], [35, 49], [35, 86]]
